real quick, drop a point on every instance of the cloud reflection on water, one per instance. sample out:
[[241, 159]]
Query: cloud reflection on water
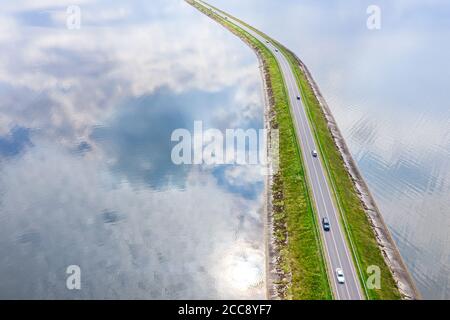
[[92, 184], [388, 91]]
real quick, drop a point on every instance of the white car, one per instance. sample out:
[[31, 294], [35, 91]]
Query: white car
[[340, 275], [314, 153]]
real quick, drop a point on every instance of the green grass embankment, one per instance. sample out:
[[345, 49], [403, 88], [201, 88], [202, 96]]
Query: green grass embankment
[[359, 233], [296, 231], [355, 222]]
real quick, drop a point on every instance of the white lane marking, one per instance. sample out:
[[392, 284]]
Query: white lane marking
[[318, 176], [313, 163], [347, 254], [318, 203], [334, 209], [296, 114], [305, 154], [318, 183], [336, 285]]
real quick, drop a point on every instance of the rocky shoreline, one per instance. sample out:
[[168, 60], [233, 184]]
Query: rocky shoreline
[[277, 280], [275, 286], [385, 241]]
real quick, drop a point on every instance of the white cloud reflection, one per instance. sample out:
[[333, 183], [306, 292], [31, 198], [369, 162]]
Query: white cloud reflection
[[388, 91], [64, 210], [85, 73], [89, 101]]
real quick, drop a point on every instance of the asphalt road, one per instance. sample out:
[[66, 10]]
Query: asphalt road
[[337, 252]]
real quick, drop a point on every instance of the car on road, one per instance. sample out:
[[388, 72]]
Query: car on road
[[325, 224], [314, 153], [298, 97], [276, 50], [267, 41], [340, 275]]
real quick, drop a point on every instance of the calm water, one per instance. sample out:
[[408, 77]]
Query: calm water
[[388, 90], [85, 123], [86, 176]]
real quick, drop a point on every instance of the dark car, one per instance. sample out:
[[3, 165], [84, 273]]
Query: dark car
[[298, 97], [325, 224]]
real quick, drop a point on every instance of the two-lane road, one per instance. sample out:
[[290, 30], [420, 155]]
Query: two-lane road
[[336, 249]]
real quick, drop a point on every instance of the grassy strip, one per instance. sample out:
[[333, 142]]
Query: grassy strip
[[296, 230], [357, 226], [358, 229]]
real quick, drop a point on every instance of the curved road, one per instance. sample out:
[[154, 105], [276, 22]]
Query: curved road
[[336, 249]]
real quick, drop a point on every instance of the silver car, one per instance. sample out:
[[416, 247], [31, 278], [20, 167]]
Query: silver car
[[340, 275]]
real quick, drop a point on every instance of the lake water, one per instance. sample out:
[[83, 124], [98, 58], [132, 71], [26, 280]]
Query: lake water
[[86, 176], [86, 116], [389, 92]]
